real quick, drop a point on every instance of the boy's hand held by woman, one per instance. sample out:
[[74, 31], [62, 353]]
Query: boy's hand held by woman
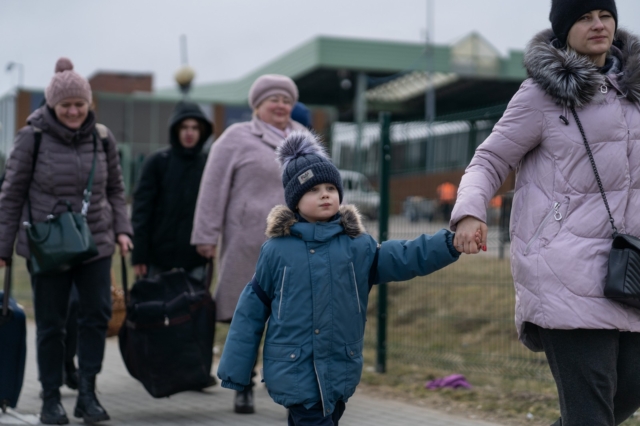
[[471, 236]]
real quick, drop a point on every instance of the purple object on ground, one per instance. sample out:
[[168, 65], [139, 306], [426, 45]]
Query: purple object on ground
[[454, 381]]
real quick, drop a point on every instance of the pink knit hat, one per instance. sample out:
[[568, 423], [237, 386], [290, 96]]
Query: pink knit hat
[[272, 84], [66, 83]]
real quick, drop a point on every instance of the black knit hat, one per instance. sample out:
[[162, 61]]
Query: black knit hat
[[305, 164], [565, 13]]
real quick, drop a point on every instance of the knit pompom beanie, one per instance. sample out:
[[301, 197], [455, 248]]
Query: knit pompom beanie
[[305, 164], [66, 83]]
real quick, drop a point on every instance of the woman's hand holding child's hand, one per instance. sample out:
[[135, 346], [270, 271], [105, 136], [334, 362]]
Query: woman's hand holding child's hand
[[471, 236]]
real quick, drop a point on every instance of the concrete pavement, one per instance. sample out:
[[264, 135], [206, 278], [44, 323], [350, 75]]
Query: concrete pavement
[[129, 404]]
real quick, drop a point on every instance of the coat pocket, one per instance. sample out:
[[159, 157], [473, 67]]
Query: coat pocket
[[555, 215], [353, 365], [281, 365]]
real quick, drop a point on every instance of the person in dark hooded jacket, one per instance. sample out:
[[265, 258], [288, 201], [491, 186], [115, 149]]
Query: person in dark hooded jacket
[[165, 198]]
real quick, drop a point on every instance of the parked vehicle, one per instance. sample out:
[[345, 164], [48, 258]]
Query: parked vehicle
[[416, 208], [358, 191]]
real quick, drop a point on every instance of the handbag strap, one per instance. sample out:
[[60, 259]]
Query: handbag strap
[[595, 170], [37, 133], [87, 192], [125, 279], [209, 274]]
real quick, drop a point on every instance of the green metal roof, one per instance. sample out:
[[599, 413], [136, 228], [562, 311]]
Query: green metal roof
[[355, 55]]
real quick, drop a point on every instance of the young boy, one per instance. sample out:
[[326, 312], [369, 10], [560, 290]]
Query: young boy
[[312, 284]]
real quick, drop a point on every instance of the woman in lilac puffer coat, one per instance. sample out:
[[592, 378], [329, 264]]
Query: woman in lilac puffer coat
[[560, 230]]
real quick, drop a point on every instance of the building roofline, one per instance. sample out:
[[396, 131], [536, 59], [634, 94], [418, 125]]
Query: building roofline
[[353, 54]]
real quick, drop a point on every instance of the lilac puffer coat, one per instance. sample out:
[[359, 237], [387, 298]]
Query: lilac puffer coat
[[560, 233]]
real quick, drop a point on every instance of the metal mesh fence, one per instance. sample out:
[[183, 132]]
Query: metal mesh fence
[[459, 319]]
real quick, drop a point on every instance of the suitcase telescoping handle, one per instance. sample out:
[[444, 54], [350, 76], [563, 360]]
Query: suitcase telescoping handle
[[7, 288]]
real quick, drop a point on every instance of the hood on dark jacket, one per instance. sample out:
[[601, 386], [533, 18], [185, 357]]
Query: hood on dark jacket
[[281, 219], [572, 79], [182, 111]]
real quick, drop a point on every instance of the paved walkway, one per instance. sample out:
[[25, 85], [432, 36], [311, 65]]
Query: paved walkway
[[129, 404]]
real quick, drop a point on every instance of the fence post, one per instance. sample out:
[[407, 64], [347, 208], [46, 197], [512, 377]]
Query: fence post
[[383, 234]]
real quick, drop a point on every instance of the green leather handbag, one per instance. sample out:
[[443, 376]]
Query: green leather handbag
[[63, 241]]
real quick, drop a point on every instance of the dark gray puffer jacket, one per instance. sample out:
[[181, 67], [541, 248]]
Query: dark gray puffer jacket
[[62, 171]]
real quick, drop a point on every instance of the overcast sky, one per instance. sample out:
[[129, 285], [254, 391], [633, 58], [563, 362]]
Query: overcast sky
[[229, 38]]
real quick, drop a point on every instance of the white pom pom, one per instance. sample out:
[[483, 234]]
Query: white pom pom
[[296, 145]]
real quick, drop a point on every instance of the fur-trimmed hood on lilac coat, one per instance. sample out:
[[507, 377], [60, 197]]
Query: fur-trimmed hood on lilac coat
[[560, 233]]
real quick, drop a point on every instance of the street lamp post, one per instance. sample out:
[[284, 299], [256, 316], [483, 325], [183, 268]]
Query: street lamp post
[[11, 65], [184, 76]]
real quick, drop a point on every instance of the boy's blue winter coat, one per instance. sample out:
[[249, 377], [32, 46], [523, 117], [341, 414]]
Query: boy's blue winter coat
[[317, 277]]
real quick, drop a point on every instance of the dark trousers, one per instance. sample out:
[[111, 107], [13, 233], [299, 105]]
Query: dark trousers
[[51, 304], [314, 416], [597, 373], [71, 340]]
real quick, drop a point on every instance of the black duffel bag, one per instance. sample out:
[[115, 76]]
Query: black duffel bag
[[167, 338]]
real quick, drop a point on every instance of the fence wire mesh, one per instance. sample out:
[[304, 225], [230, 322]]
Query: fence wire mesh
[[459, 319]]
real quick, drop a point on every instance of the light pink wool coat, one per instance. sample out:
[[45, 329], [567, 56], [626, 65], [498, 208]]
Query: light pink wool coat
[[559, 260], [242, 182]]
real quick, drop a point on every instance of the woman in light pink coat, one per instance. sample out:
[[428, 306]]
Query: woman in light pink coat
[[241, 183], [560, 230]]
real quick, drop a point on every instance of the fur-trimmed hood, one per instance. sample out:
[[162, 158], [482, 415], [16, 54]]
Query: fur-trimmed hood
[[281, 219], [572, 79]]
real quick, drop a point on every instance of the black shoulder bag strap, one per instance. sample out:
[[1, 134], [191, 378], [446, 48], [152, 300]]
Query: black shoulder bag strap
[[37, 137], [595, 170]]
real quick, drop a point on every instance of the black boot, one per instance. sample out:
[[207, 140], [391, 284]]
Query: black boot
[[88, 407], [52, 410], [244, 401], [71, 376]]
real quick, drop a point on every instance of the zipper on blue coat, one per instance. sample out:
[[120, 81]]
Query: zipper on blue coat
[[355, 283], [319, 387], [284, 275], [555, 213]]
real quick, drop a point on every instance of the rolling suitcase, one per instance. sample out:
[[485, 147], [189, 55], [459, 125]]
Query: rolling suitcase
[[13, 345], [166, 341]]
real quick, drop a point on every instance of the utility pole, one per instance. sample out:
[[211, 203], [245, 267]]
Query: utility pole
[[430, 95], [360, 115], [383, 235]]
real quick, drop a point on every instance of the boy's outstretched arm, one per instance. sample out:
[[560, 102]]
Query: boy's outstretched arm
[[241, 347], [401, 260]]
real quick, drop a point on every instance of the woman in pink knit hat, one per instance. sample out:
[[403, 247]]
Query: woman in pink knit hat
[[240, 185], [34, 184]]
